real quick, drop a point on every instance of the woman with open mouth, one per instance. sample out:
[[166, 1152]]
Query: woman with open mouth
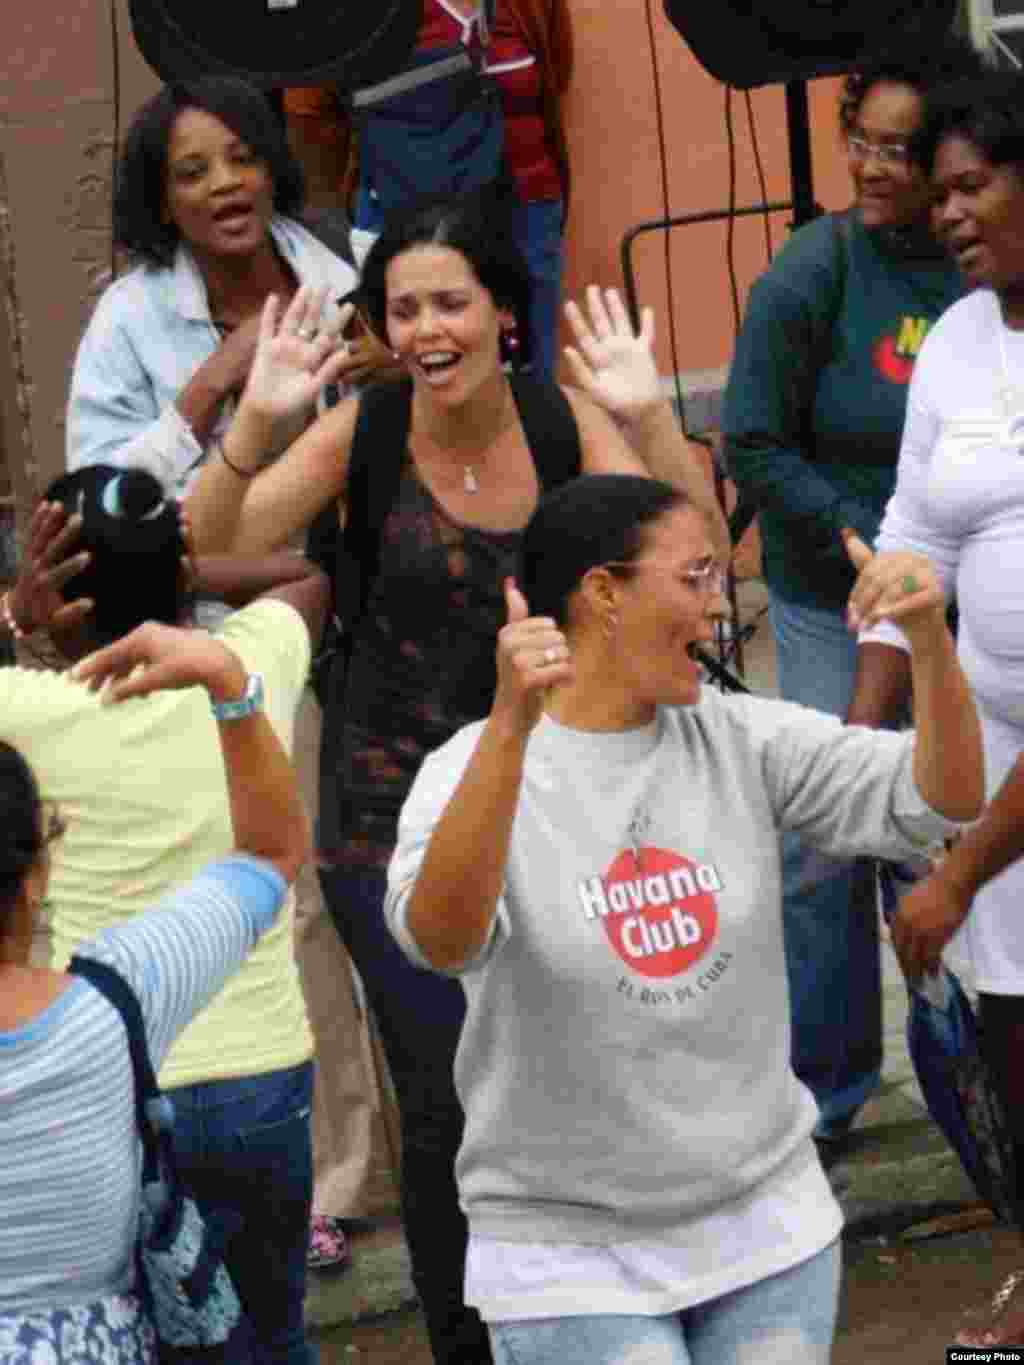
[[597, 863], [812, 422], [960, 498], [436, 476]]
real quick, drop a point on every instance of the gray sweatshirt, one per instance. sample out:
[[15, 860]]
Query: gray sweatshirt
[[624, 1063]]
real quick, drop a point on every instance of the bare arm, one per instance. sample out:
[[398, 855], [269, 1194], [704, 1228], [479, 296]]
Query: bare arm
[[615, 368], [233, 506], [881, 689], [902, 587], [239, 579], [267, 813], [455, 896]]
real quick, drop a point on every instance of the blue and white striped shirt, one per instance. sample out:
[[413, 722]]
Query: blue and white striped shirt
[[69, 1149]]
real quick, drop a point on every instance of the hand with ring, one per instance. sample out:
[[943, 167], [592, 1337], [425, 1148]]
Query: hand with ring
[[532, 655], [898, 586], [296, 355]]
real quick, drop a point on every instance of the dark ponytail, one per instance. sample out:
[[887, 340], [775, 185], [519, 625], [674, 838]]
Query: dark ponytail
[[21, 825]]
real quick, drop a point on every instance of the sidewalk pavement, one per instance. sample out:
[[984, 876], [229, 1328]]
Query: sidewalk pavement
[[899, 1176]]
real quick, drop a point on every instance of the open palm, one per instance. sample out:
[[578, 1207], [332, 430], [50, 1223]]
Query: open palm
[[295, 356], [611, 362]]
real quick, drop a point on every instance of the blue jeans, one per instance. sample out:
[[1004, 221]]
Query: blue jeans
[[537, 229], [787, 1319], [829, 908], [245, 1145], [419, 1015]]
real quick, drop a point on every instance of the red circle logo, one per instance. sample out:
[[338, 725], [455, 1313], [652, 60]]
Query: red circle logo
[[662, 914], [890, 364]]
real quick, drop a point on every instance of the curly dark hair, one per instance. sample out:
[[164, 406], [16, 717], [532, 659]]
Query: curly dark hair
[[141, 171], [989, 114], [22, 837], [921, 65], [475, 225]]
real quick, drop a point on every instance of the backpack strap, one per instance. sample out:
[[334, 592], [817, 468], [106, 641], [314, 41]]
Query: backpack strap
[[549, 425], [116, 990], [374, 473]]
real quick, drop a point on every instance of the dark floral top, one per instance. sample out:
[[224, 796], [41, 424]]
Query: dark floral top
[[422, 666]]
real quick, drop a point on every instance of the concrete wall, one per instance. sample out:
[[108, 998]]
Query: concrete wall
[[57, 125]]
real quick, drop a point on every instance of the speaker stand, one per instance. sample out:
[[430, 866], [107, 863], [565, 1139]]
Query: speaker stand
[[801, 172]]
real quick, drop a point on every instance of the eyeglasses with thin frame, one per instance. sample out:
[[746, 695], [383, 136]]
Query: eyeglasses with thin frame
[[708, 578], [888, 153]]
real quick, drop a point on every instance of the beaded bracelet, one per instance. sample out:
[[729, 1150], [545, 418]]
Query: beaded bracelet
[[7, 616], [218, 445]]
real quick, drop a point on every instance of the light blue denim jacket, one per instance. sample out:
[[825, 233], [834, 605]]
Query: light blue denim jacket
[[150, 332]]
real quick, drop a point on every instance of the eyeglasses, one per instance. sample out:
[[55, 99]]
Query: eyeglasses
[[888, 153], [706, 578]]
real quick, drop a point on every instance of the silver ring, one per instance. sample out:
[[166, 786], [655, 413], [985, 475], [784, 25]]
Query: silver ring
[[550, 654], [306, 333]]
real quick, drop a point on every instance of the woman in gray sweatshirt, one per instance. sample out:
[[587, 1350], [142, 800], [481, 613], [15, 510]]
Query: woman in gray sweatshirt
[[598, 863]]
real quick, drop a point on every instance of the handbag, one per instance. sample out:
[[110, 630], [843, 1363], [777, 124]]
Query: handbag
[[944, 1041], [184, 1284]]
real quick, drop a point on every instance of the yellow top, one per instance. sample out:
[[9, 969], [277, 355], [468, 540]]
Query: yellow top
[[142, 788]]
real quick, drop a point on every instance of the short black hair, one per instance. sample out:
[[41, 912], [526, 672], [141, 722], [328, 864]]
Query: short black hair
[[476, 225], [132, 531], [21, 825], [593, 520], [913, 61], [989, 114], [140, 177]]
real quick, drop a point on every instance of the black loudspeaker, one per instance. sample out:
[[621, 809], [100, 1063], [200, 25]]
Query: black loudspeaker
[[761, 42], [277, 42]]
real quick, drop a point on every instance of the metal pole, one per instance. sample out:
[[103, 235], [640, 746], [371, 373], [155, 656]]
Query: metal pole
[[798, 128]]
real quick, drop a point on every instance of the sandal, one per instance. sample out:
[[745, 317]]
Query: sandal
[[1004, 1317], [328, 1245]]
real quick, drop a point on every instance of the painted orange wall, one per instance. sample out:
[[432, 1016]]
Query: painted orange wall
[[612, 127]]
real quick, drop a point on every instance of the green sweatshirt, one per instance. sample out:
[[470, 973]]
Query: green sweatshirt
[[814, 408]]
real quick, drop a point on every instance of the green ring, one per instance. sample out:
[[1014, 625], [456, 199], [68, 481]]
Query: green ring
[[910, 584]]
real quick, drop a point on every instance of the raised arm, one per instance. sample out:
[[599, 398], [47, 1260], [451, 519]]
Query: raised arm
[[267, 813], [628, 425], [903, 588], [454, 897], [233, 505]]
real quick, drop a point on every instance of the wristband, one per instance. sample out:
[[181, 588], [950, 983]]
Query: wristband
[[250, 701]]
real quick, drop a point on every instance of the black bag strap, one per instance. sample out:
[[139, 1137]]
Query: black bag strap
[[112, 985], [550, 429]]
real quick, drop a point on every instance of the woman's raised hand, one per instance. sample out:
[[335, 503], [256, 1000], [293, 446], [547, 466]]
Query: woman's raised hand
[[297, 353], [898, 586], [611, 362], [158, 658], [532, 655]]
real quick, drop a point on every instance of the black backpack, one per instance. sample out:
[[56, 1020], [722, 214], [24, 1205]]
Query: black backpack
[[351, 557]]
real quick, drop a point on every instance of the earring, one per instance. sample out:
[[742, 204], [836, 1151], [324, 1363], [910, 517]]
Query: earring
[[611, 625], [509, 345]]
